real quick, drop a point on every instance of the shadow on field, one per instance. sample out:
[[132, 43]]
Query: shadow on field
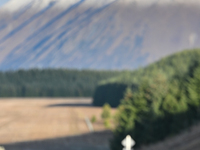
[[71, 105], [90, 141]]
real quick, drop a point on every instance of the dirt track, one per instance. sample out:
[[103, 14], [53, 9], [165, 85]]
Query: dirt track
[[40, 119]]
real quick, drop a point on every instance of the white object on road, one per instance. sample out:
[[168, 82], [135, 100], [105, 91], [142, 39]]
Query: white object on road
[[128, 142], [89, 124], [2, 148]]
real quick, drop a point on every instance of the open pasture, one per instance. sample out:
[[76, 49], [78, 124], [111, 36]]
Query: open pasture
[[36, 119]]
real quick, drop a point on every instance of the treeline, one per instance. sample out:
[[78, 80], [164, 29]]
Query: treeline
[[177, 65], [51, 82], [160, 105]]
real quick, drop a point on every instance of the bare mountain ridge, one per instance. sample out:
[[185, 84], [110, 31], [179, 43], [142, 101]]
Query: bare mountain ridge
[[95, 34]]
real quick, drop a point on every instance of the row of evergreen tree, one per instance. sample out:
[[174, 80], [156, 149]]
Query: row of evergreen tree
[[51, 82]]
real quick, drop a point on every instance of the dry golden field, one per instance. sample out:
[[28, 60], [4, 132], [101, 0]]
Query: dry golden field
[[40, 119], [59, 124]]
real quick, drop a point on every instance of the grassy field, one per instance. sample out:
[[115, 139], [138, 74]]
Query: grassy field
[[59, 124], [29, 120]]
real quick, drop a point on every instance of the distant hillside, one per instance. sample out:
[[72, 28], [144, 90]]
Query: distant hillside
[[95, 34], [112, 89]]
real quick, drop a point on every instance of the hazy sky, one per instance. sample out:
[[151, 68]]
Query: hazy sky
[[3, 2]]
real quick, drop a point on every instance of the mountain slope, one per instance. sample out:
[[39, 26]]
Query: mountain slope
[[94, 34]]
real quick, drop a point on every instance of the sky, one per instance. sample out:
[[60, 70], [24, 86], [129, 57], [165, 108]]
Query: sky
[[3, 2]]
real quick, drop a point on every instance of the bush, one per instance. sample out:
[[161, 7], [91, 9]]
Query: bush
[[106, 114], [107, 123], [93, 119]]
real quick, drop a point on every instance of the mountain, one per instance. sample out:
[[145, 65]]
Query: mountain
[[95, 34]]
